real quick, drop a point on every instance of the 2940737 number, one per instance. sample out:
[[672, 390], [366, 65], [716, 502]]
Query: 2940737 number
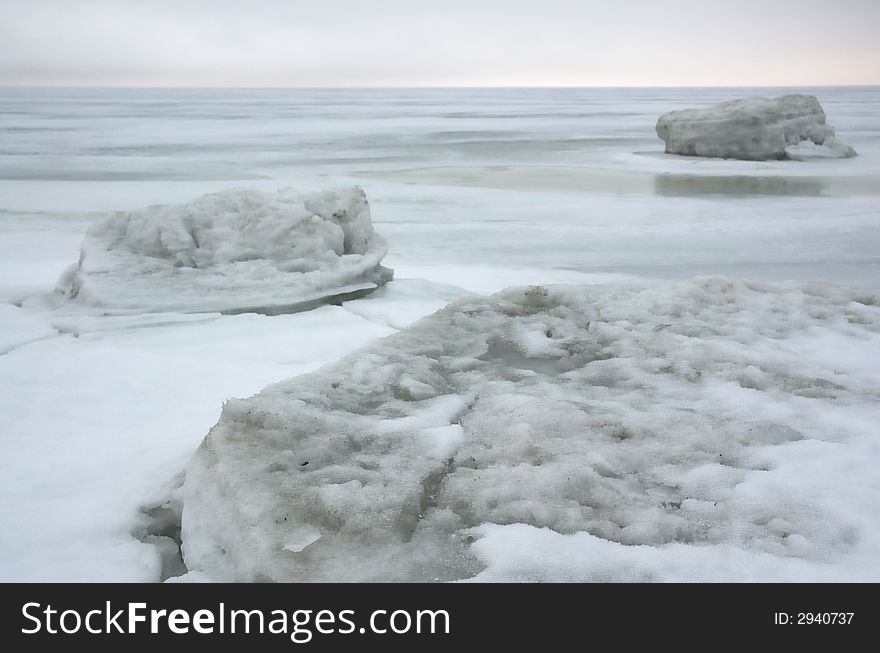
[[825, 617]]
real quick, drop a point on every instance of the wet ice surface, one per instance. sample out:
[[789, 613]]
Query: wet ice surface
[[474, 191]]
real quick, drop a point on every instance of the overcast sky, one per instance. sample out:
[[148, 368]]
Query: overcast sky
[[441, 43]]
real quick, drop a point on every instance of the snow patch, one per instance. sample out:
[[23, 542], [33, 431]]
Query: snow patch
[[19, 326]]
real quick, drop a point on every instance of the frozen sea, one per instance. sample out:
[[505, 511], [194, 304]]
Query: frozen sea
[[475, 191]]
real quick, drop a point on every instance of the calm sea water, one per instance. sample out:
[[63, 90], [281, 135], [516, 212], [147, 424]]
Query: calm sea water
[[538, 180], [114, 134]]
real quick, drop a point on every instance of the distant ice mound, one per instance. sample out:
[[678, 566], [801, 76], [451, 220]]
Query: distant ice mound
[[233, 251], [754, 129], [682, 417]]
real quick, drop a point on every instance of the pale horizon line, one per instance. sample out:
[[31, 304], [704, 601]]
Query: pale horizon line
[[392, 87]]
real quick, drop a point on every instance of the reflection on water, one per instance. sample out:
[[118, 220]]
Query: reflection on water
[[677, 185], [598, 181]]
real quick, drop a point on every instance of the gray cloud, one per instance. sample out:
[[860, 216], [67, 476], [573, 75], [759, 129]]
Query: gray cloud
[[456, 42]]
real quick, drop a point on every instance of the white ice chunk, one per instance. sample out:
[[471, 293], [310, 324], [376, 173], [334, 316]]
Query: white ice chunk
[[755, 129], [301, 537], [231, 251], [658, 423], [831, 148], [443, 441]]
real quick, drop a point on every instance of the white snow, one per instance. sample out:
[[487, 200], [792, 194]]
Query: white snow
[[98, 423], [754, 129], [233, 250], [608, 432], [21, 327]]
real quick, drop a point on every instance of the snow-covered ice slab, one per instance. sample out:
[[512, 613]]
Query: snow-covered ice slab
[[708, 429], [236, 250], [754, 129]]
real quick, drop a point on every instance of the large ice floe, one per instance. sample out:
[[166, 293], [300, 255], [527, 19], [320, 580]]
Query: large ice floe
[[237, 250], [755, 129], [667, 431]]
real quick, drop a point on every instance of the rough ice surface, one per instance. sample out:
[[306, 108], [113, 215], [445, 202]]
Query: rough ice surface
[[707, 429], [755, 129], [231, 251]]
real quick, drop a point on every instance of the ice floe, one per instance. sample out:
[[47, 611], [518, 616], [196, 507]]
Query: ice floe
[[757, 129], [237, 250], [657, 428]]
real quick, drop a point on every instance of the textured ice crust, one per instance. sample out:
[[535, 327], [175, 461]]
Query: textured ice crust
[[676, 416], [233, 250], [754, 129]]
